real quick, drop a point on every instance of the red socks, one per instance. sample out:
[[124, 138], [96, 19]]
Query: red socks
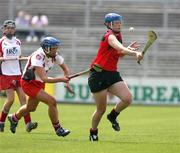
[[27, 118], [3, 116]]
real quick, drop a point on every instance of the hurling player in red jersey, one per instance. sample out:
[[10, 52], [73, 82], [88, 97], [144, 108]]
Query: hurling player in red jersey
[[34, 79], [104, 77], [10, 74]]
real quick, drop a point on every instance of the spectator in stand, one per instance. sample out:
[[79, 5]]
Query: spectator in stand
[[23, 19], [38, 21]]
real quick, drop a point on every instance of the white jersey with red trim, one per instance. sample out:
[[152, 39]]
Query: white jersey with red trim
[[39, 58], [10, 48]]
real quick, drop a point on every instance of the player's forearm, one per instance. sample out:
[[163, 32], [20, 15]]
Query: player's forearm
[[112, 40], [127, 51], [51, 80]]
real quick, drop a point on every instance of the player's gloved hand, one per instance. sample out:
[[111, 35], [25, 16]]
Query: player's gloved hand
[[69, 89]]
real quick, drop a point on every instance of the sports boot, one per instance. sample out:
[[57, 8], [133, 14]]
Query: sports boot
[[62, 132], [30, 126], [115, 124], [13, 124], [93, 136]]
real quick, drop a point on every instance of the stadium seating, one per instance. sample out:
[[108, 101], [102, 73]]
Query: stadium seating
[[79, 25]]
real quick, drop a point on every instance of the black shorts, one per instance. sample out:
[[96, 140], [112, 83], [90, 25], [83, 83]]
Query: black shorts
[[98, 81]]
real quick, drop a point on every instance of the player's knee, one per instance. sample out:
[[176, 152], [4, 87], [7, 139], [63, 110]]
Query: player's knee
[[31, 109], [52, 102], [128, 99]]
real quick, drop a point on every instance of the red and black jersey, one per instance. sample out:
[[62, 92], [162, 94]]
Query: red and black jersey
[[107, 57]]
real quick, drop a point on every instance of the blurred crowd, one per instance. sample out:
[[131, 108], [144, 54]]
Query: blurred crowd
[[25, 20]]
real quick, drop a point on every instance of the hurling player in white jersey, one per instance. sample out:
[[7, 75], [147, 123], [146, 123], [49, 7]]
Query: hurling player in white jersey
[[34, 79], [10, 73]]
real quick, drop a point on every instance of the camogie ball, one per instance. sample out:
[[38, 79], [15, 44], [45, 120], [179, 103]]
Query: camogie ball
[[131, 29]]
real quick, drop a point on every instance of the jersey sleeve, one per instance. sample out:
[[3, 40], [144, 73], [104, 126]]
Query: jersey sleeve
[[37, 60], [59, 60]]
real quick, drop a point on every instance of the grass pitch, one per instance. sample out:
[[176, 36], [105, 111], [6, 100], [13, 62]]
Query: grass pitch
[[143, 130]]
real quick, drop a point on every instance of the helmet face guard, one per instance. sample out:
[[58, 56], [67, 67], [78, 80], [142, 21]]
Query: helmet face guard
[[48, 42]]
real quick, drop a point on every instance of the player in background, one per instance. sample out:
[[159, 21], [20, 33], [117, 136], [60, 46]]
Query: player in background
[[10, 74], [34, 79], [104, 77]]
